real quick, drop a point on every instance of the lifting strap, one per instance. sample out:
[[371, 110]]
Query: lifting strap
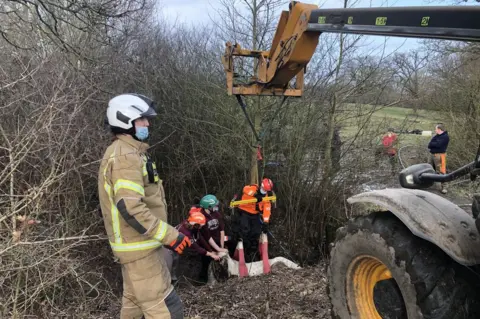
[[244, 109], [252, 126]]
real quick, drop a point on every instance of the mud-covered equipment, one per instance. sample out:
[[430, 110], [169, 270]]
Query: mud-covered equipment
[[416, 257], [208, 201], [379, 269]]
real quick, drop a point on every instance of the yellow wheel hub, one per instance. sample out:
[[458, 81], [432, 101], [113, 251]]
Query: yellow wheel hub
[[363, 274]]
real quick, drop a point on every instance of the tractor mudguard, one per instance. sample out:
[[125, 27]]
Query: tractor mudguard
[[430, 217]]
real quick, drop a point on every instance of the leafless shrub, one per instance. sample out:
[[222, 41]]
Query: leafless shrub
[[455, 92]]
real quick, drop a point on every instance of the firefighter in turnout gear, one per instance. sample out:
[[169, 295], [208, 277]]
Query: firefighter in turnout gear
[[134, 211], [254, 217]]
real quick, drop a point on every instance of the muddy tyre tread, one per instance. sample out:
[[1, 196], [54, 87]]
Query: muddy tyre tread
[[439, 283]]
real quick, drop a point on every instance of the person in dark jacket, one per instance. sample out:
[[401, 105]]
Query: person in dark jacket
[[215, 223], [438, 151], [214, 229], [192, 228]]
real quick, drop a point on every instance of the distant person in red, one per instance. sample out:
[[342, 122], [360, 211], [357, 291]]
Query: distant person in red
[[388, 148]]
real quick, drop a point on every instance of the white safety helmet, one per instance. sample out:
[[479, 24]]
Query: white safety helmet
[[125, 108]]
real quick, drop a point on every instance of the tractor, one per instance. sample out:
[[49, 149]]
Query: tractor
[[411, 253]]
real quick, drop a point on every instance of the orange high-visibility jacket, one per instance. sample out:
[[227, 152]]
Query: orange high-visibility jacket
[[251, 192]]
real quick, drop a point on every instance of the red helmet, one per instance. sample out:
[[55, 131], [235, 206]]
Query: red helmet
[[267, 184]]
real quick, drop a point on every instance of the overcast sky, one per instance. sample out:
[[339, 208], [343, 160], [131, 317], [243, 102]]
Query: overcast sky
[[198, 12]]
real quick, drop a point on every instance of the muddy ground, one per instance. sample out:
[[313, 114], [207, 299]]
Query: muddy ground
[[380, 176], [285, 293]]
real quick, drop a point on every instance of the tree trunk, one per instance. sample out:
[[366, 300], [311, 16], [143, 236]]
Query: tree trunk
[[254, 167], [327, 166], [254, 178]]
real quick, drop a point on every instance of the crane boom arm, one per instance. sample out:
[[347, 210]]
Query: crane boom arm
[[451, 23], [298, 31]]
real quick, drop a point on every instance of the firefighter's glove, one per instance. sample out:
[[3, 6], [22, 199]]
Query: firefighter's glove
[[180, 243]]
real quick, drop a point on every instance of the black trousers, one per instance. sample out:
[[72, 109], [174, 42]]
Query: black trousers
[[250, 229], [206, 260]]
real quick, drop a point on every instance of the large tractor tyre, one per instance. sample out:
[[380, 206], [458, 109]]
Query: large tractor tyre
[[379, 269]]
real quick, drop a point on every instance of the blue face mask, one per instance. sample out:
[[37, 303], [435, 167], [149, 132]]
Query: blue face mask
[[141, 133]]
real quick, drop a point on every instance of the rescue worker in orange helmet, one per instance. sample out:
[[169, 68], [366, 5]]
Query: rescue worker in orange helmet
[[254, 217], [134, 212], [191, 227]]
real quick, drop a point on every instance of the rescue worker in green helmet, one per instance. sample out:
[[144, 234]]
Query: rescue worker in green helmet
[[134, 212], [215, 223], [214, 230]]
